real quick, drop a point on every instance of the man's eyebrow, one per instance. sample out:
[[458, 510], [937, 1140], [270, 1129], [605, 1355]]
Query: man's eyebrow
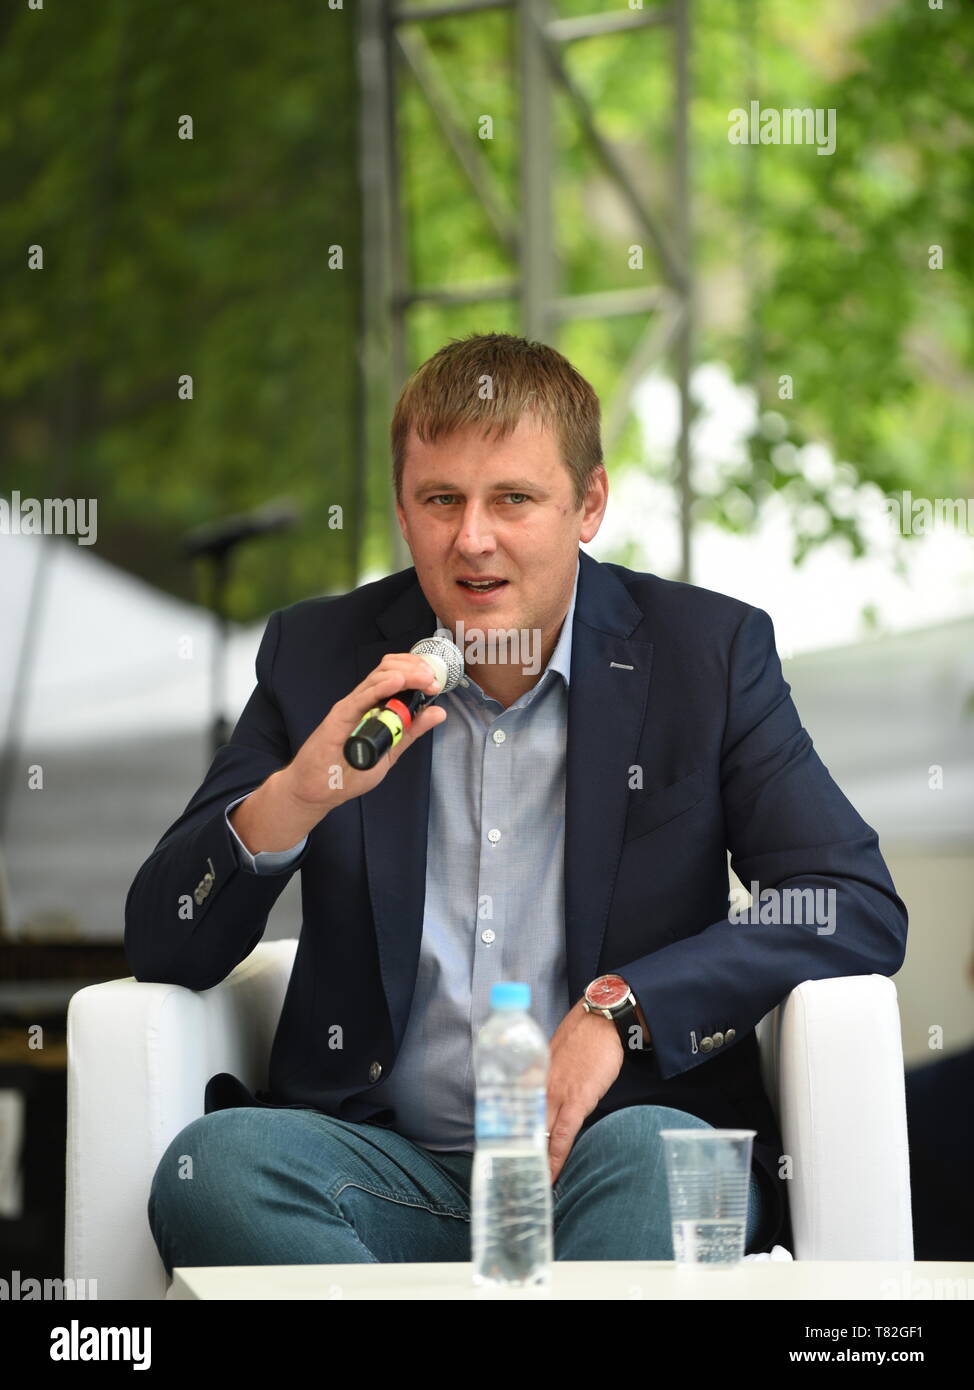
[[514, 485]]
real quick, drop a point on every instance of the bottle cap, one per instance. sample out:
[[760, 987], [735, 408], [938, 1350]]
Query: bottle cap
[[510, 995]]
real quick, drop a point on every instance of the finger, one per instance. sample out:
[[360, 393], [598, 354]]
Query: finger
[[560, 1142], [554, 1167], [427, 719], [415, 673], [386, 682], [382, 684]]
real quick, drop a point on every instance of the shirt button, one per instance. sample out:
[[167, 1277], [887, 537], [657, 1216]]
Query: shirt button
[[706, 1044], [498, 736], [488, 935], [493, 836], [718, 1040], [375, 1071], [730, 1035]]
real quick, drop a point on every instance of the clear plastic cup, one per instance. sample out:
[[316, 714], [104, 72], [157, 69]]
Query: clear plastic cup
[[708, 1175]]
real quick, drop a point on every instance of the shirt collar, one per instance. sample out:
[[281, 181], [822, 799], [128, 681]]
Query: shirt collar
[[561, 658]]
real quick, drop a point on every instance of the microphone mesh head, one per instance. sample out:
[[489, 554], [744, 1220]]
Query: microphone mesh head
[[445, 651]]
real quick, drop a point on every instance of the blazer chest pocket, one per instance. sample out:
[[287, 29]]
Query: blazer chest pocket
[[649, 810]]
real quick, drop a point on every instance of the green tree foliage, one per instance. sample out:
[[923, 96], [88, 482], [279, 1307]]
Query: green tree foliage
[[807, 265], [166, 256], [850, 302], [210, 256]]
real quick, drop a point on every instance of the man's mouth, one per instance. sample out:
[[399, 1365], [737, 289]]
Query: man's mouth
[[482, 586]]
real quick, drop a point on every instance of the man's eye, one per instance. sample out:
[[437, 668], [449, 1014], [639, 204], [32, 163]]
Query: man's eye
[[439, 497]]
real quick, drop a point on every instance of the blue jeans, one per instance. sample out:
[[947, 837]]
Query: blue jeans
[[270, 1186]]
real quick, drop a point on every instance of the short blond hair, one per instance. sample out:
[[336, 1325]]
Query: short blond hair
[[447, 393]]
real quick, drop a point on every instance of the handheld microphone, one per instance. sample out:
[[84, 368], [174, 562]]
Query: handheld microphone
[[381, 727]]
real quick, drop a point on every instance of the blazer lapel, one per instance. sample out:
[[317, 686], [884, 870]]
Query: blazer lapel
[[606, 709], [395, 815]]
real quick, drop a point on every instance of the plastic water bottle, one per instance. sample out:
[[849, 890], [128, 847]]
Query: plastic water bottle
[[511, 1218]]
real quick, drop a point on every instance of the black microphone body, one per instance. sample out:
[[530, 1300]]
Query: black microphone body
[[382, 726]]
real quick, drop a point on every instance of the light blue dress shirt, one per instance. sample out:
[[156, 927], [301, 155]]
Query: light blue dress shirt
[[495, 890]]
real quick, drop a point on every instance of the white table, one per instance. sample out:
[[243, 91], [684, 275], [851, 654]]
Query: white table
[[896, 1282]]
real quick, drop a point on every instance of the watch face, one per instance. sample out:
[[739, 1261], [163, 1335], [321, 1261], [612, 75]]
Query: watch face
[[607, 991]]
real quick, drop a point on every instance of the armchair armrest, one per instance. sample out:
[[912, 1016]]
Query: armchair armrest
[[832, 1058], [139, 1057]]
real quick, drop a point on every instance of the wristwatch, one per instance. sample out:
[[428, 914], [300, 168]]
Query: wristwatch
[[610, 996]]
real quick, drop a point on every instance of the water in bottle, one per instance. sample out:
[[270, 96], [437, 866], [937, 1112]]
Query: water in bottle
[[511, 1216]]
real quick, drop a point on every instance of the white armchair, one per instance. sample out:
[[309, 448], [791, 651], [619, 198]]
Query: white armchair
[[140, 1055]]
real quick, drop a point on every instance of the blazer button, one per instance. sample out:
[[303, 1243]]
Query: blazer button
[[706, 1044], [375, 1071], [730, 1035], [718, 1040]]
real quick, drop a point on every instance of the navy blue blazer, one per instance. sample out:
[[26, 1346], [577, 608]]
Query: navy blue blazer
[[678, 681]]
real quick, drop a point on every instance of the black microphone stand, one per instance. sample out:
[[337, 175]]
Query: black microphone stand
[[216, 543]]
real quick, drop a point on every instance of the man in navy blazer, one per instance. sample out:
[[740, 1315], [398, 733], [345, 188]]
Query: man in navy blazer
[[682, 743]]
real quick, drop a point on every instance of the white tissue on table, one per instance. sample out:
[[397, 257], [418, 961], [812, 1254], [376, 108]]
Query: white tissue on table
[[778, 1252]]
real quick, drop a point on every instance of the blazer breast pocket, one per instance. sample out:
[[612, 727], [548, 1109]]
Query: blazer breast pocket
[[649, 810]]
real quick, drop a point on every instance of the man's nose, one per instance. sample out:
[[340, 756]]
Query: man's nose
[[476, 532]]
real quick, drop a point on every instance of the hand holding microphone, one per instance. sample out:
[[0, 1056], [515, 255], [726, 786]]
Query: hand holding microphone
[[295, 799], [382, 727]]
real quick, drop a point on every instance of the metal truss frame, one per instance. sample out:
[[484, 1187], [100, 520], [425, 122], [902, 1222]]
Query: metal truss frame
[[391, 42]]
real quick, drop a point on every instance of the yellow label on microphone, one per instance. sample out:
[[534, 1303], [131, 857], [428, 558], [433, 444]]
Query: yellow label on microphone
[[392, 722], [385, 716], [369, 714]]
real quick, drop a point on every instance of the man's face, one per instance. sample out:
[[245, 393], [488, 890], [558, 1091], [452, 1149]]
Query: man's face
[[478, 508]]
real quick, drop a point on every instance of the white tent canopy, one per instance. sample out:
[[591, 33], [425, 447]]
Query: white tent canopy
[[116, 712], [893, 720]]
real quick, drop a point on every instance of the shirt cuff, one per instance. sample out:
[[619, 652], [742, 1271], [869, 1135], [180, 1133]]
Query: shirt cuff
[[265, 861]]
